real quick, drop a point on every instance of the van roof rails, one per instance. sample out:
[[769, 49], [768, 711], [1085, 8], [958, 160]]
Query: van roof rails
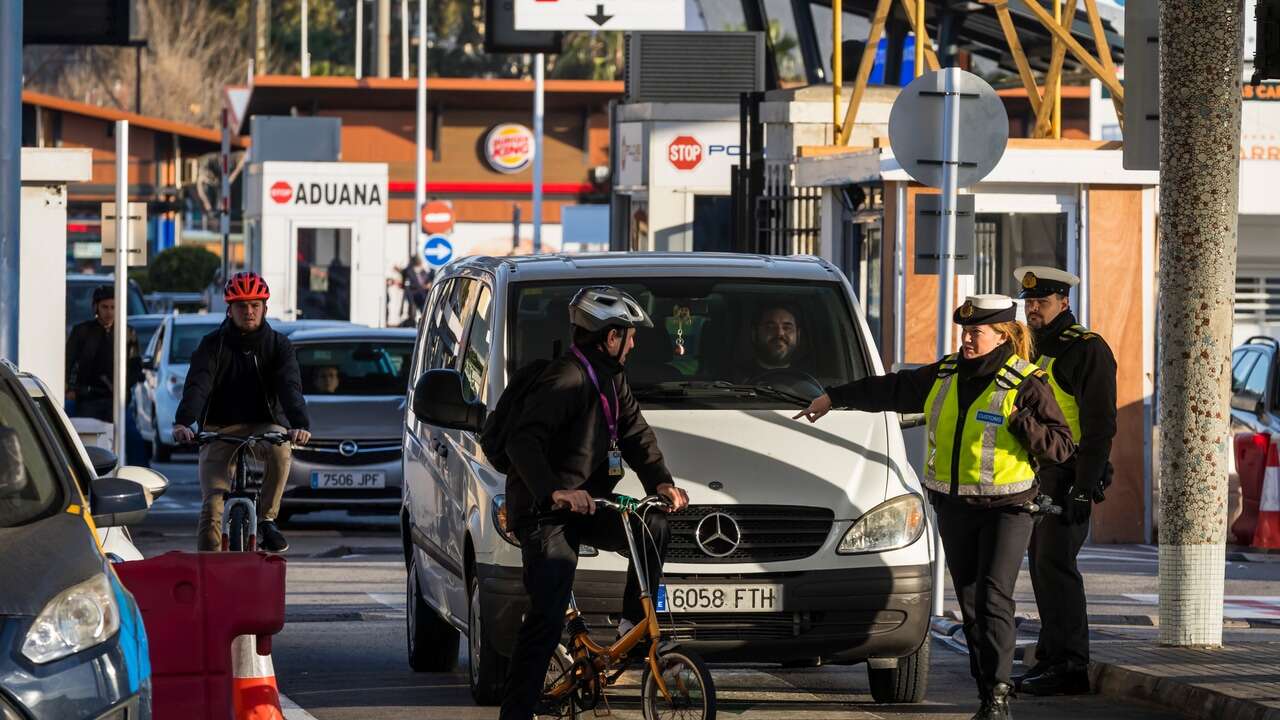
[[1260, 339]]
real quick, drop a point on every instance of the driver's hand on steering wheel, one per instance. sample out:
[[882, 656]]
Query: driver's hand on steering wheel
[[819, 407], [678, 498]]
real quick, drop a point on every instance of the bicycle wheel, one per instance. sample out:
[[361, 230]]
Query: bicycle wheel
[[693, 693], [546, 710], [238, 530]]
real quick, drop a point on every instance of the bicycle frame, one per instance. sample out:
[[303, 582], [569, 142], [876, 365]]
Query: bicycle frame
[[240, 494], [604, 656]]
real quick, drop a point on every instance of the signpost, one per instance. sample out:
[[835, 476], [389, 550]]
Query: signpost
[[437, 250], [600, 14], [948, 130], [137, 234]]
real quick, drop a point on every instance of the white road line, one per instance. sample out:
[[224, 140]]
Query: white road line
[[1238, 607], [292, 711], [395, 601]]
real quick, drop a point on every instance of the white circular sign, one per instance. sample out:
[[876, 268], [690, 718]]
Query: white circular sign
[[916, 127], [509, 148]]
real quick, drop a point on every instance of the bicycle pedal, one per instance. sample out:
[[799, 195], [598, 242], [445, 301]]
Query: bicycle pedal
[[604, 711]]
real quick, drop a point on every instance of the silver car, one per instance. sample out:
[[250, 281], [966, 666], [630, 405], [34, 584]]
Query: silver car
[[354, 380]]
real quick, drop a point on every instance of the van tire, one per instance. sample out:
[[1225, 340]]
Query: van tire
[[905, 683], [487, 668], [432, 642]]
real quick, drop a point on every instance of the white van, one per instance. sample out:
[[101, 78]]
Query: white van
[[802, 542]]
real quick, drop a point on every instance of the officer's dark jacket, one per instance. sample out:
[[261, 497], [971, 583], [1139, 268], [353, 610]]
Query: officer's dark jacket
[[241, 378], [560, 440], [1086, 370], [91, 359], [1038, 421]]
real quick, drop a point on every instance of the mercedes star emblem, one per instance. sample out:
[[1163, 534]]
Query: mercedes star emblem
[[348, 448], [718, 535]]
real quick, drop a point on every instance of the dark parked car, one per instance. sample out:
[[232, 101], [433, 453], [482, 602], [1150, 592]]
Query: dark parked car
[[80, 299]]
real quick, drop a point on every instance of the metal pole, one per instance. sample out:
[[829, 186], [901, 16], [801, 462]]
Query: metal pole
[[118, 389], [837, 65], [900, 276], [10, 174], [384, 38], [224, 202], [404, 39], [539, 91], [919, 30], [420, 183], [359, 39], [306, 55], [1057, 82], [947, 242], [1200, 47]]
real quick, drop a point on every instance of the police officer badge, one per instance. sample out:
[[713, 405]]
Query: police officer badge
[[966, 310], [1029, 280]]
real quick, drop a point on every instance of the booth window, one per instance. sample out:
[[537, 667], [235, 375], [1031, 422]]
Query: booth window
[[324, 273], [1006, 241]]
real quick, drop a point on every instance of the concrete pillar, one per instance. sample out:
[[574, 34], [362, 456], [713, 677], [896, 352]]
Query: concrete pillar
[[1200, 76]]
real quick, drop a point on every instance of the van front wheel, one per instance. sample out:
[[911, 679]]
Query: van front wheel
[[433, 642], [488, 668], [905, 683]]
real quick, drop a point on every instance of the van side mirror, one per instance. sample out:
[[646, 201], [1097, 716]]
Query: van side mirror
[[117, 502], [103, 460], [910, 420], [148, 362], [13, 474], [438, 399]]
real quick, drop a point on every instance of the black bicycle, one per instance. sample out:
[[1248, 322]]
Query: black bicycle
[[240, 503]]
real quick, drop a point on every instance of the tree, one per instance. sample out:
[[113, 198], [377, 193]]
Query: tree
[[185, 268]]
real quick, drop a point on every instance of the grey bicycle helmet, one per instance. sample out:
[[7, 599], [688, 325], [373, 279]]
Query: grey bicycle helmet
[[601, 307]]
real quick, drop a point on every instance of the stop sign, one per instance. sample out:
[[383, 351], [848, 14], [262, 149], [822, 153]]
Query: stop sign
[[437, 217], [685, 152]]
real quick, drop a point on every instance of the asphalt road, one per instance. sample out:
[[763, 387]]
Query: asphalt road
[[342, 653]]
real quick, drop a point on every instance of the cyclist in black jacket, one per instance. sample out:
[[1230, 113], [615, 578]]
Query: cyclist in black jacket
[[244, 380], [580, 421]]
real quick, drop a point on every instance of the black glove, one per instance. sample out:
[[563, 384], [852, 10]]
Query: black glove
[[1076, 506]]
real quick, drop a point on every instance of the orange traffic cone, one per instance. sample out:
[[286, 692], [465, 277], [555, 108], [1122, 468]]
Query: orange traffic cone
[[1267, 535], [254, 693]]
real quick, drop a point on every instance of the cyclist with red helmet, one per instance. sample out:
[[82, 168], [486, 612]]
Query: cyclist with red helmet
[[243, 380]]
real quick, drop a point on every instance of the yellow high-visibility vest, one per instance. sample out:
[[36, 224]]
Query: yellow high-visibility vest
[[1066, 401], [991, 460]]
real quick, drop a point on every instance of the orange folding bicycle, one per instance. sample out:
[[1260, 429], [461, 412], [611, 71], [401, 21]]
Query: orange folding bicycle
[[675, 684]]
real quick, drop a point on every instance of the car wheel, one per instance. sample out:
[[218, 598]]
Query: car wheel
[[433, 643], [905, 683], [487, 667]]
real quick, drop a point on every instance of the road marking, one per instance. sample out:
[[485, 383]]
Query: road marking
[[395, 601], [1238, 607], [292, 711]]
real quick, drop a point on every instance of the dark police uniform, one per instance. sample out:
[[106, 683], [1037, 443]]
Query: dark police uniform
[[990, 420], [1082, 373]]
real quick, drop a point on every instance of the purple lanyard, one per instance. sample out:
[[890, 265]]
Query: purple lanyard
[[610, 412]]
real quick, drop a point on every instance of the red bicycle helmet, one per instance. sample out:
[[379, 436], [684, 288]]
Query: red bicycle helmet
[[246, 286]]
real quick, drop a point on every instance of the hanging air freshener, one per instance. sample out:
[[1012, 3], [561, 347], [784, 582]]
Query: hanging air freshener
[[682, 317]]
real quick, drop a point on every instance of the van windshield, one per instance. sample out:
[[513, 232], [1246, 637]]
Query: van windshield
[[727, 342], [35, 491]]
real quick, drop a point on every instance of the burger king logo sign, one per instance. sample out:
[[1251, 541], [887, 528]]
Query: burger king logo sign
[[509, 148]]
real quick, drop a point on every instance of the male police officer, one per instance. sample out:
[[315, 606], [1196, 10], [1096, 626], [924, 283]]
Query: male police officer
[[1082, 373]]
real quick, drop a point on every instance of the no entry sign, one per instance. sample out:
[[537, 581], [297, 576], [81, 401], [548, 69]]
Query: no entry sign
[[437, 217]]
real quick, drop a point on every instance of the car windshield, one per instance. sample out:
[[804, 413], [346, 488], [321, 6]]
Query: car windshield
[[80, 301], [716, 342], [354, 367], [185, 339], [35, 491]]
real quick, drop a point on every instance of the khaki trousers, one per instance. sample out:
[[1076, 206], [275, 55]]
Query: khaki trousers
[[216, 470]]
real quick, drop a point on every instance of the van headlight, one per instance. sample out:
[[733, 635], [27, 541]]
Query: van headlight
[[79, 618], [894, 524]]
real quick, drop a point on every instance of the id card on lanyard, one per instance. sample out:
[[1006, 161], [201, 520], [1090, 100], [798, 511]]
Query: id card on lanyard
[[611, 411]]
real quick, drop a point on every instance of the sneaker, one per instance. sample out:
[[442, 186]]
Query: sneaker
[[270, 539]]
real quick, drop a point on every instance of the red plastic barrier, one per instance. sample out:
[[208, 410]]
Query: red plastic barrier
[[1251, 462], [193, 605]]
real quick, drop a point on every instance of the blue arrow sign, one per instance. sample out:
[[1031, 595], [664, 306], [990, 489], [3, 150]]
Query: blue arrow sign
[[437, 250]]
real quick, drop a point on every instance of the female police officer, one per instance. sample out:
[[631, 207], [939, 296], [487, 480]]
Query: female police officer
[[990, 416]]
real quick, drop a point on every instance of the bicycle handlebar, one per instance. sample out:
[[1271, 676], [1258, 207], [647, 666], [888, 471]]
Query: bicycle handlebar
[[620, 503], [275, 438]]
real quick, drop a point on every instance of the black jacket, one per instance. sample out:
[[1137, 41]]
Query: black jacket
[[91, 360], [1038, 421], [1085, 369], [242, 378], [560, 440]]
